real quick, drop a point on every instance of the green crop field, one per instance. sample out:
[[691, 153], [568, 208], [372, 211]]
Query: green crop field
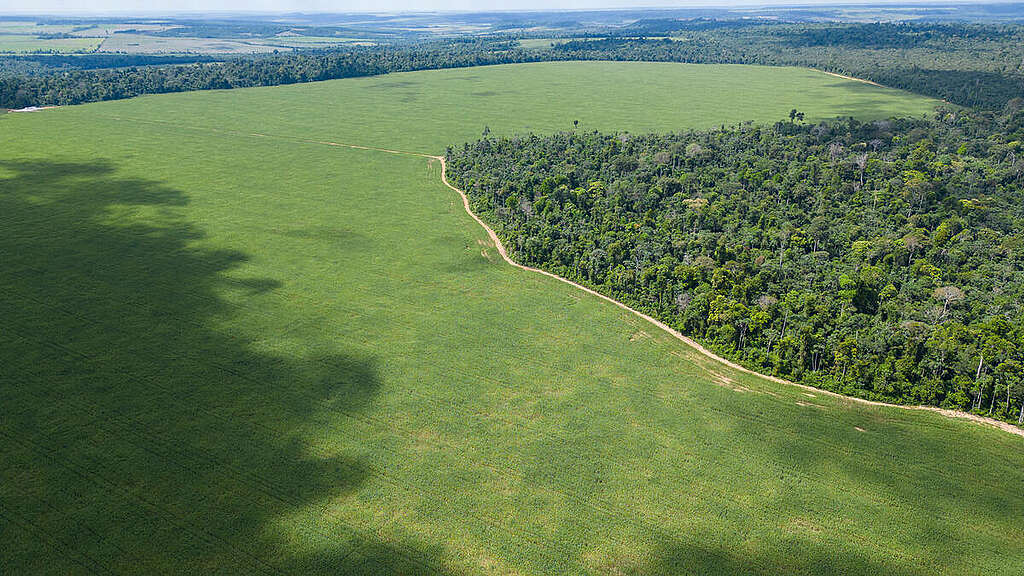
[[539, 43], [32, 28], [228, 347], [147, 44], [426, 111], [24, 43], [311, 41]]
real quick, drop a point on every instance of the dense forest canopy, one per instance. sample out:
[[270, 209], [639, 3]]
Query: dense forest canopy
[[883, 260], [977, 65], [77, 86]]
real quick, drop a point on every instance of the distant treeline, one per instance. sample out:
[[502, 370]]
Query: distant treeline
[[970, 65], [78, 86], [883, 260], [29, 64], [960, 77]]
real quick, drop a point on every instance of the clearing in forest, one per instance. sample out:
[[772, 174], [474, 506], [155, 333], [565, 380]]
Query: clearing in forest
[[227, 347]]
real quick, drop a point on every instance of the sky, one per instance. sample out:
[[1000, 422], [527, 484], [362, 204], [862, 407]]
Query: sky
[[178, 6]]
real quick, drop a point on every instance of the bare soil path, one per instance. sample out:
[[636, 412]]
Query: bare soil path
[[695, 345], [845, 77], [671, 331]]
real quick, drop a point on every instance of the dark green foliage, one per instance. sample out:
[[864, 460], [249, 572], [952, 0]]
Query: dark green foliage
[[977, 66], [104, 60], [882, 260], [22, 67], [78, 86], [896, 35]]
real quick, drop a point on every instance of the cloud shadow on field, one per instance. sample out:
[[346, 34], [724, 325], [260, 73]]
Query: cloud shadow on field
[[136, 435], [807, 558], [903, 485]]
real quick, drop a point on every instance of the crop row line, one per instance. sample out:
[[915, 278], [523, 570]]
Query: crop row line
[[103, 482], [54, 508], [102, 416], [604, 508], [748, 419], [102, 419], [786, 471], [77, 556]]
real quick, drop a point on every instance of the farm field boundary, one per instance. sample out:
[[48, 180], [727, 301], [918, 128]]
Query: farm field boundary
[[499, 246]]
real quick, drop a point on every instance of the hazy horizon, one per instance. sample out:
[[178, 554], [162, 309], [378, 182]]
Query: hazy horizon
[[184, 7]]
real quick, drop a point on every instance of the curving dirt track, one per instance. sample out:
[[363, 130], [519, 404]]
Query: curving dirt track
[[1006, 426], [845, 77], [693, 344]]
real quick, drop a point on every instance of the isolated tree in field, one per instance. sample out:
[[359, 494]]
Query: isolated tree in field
[[948, 295]]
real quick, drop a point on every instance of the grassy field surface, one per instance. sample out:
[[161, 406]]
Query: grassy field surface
[[23, 43], [227, 349], [31, 28], [427, 111], [539, 43], [311, 41], [146, 44]]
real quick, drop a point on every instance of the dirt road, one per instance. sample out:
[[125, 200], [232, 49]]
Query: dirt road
[[696, 346]]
